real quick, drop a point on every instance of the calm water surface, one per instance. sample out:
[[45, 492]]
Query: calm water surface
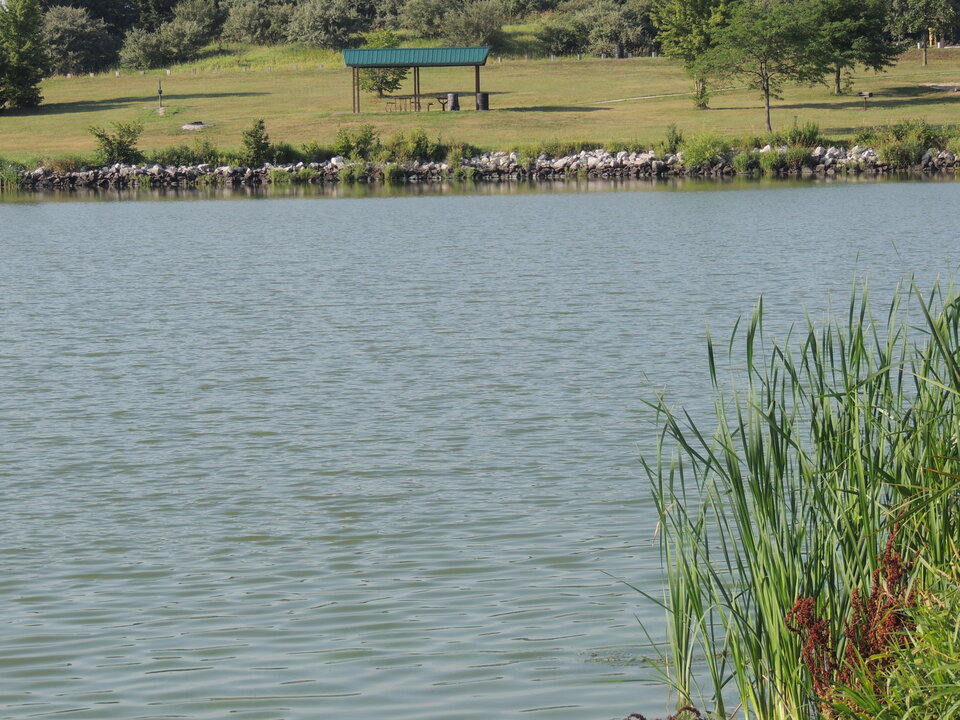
[[314, 458]]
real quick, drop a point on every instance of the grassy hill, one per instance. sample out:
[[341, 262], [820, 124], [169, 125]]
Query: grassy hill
[[304, 95]]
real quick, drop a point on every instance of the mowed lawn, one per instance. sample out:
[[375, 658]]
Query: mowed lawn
[[532, 101]]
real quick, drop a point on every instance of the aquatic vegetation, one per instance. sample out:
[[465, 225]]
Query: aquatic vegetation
[[830, 452], [704, 149], [10, 174]]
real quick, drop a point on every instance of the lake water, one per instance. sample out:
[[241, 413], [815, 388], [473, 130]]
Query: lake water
[[310, 458]]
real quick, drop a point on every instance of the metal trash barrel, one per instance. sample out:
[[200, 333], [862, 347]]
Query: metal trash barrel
[[483, 101], [453, 101]]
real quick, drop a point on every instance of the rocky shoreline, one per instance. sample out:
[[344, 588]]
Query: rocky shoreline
[[494, 166]]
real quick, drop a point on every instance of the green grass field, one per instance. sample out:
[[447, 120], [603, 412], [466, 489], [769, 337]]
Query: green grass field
[[532, 101]]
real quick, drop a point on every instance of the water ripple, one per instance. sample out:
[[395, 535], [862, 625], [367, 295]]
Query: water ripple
[[301, 458]]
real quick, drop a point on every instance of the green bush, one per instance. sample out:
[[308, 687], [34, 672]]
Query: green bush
[[204, 151], [771, 161], [205, 14], [10, 174], [616, 25], [672, 140], [255, 144], [551, 148], [806, 135], [263, 22], [325, 23], [426, 16], [866, 137], [415, 146], [476, 22], [120, 146], [363, 144], [351, 173], [68, 163], [456, 152], [175, 41], [283, 153], [392, 173], [743, 162], [704, 149], [563, 33], [279, 177], [918, 131], [798, 157], [179, 155], [900, 155], [953, 145], [304, 175], [313, 151], [75, 41]]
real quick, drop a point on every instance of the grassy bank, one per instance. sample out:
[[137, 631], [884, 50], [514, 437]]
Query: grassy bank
[[810, 536], [535, 101]]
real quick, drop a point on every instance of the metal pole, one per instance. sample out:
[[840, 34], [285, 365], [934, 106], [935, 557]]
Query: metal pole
[[477, 69]]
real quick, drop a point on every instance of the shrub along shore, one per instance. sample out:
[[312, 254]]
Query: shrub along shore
[[361, 156], [491, 167]]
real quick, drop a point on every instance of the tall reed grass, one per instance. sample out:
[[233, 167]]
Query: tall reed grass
[[824, 445]]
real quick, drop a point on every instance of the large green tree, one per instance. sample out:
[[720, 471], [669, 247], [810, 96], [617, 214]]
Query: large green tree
[[382, 80], [21, 42], [326, 23], [75, 41], [121, 14], [618, 27], [686, 31], [854, 33], [914, 18], [151, 14], [769, 43]]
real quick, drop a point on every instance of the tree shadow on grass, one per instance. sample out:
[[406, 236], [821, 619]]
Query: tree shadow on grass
[[888, 99], [555, 108], [85, 106], [441, 93]]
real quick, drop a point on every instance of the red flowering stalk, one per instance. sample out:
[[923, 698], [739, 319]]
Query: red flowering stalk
[[877, 624]]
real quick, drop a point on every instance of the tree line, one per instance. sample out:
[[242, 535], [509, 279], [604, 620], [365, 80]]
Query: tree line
[[769, 42], [765, 42]]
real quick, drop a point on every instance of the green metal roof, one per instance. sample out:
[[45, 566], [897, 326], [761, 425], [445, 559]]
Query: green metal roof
[[416, 57]]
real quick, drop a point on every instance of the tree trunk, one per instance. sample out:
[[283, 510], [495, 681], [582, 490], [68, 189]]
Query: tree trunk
[[766, 102], [924, 53], [700, 92], [836, 80]]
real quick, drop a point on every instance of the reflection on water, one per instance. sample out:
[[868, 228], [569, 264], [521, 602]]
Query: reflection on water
[[290, 459], [420, 189]]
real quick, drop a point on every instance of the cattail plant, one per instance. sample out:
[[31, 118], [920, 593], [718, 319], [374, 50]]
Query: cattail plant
[[826, 446]]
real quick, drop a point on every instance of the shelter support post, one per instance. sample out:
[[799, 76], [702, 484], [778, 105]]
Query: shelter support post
[[477, 78], [416, 89], [356, 90]]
